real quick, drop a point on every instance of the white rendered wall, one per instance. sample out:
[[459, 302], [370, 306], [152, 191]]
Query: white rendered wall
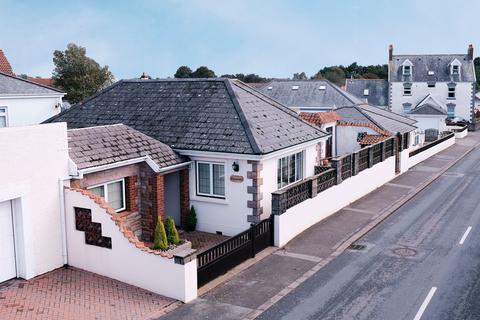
[[429, 122], [125, 262], [304, 215], [347, 138], [23, 111], [269, 175], [463, 93], [33, 161], [428, 152]]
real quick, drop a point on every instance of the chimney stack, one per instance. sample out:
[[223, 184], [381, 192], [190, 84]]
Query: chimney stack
[[390, 52], [470, 52]]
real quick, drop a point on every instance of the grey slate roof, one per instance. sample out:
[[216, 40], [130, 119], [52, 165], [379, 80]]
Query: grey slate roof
[[95, 146], [308, 94], [428, 106], [14, 85], [439, 64], [217, 115], [380, 118], [377, 90]]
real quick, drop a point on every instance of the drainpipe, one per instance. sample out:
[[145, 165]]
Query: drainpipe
[[62, 218]]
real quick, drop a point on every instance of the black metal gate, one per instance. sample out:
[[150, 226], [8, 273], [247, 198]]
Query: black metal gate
[[233, 251]]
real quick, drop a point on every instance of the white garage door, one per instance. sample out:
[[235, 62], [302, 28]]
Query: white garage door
[[7, 243]]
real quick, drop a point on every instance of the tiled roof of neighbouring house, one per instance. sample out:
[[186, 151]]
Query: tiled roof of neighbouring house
[[309, 94], [319, 118], [96, 146], [428, 106], [369, 139], [377, 90], [439, 64], [15, 85], [217, 115], [43, 81], [385, 120], [5, 66]]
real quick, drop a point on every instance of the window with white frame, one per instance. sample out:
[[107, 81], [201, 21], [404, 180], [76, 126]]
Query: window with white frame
[[407, 70], [450, 111], [451, 92], [3, 117], [407, 89], [455, 70], [210, 179], [113, 192], [290, 169]]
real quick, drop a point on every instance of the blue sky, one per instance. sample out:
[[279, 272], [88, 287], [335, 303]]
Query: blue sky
[[273, 38]]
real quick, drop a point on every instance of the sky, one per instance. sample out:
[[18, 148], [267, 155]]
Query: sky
[[272, 38]]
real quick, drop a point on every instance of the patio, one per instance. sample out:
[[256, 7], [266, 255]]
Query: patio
[[202, 241], [75, 294]]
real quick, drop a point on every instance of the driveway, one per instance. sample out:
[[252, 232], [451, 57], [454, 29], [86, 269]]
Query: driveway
[[76, 294]]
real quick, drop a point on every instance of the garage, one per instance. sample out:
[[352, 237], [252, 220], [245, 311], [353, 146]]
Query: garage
[[7, 242]]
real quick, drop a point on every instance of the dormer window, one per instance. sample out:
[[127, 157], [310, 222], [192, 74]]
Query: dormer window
[[407, 70], [455, 67]]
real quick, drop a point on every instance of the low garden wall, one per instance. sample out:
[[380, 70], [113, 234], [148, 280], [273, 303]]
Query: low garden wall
[[418, 155], [98, 241], [298, 207]]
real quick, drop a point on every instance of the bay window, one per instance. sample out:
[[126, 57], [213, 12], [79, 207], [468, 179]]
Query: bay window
[[210, 179], [113, 193], [290, 169]]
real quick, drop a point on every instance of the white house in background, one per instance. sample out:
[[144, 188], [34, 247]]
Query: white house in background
[[23, 102], [447, 79], [242, 144], [34, 162]]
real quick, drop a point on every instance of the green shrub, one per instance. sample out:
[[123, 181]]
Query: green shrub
[[160, 237], [172, 233], [192, 220]]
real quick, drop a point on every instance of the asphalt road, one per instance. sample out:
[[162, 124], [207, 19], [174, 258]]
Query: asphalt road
[[423, 262]]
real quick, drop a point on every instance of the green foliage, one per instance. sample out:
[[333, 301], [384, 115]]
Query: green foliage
[[192, 220], [160, 237], [183, 72], [300, 76], [78, 75], [203, 72], [334, 74], [338, 74], [171, 230]]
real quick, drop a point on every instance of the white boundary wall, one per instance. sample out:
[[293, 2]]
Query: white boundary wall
[[125, 262], [304, 215], [424, 155]]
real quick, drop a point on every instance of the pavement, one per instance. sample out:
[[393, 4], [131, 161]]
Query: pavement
[[75, 294], [422, 262], [277, 276]]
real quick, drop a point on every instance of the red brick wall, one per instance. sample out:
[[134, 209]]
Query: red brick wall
[[131, 193], [184, 196]]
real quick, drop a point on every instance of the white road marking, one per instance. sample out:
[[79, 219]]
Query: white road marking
[[465, 235], [425, 303]]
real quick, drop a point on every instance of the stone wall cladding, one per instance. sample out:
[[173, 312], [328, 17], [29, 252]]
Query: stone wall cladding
[[184, 196], [254, 190], [151, 200]]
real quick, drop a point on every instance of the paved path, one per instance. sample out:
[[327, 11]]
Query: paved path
[[253, 290], [422, 262], [75, 294]]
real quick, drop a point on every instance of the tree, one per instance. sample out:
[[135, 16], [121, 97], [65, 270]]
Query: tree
[[300, 76], [192, 220], [160, 237], [203, 72], [476, 63], [171, 230], [183, 72], [77, 74], [335, 74]]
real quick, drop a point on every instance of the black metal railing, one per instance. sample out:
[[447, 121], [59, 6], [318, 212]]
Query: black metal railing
[[389, 145], [233, 251], [326, 179], [320, 169], [449, 136], [292, 195], [377, 153]]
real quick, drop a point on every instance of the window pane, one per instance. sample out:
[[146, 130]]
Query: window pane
[[219, 179], [284, 171], [3, 122], [299, 166], [279, 173], [115, 194], [204, 178], [291, 169], [98, 190]]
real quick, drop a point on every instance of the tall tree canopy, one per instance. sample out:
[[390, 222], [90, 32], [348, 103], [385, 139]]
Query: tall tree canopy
[[337, 74], [300, 76], [476, 63], [183, 72], [203, 72], [78, 75], [247, 78]]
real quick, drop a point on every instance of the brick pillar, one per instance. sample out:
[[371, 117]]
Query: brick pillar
[[184, 196], [255, 191], [131, 193], [158, 197], [152, 201]]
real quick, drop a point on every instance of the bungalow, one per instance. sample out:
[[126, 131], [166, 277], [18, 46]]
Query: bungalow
[[242, 145]]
